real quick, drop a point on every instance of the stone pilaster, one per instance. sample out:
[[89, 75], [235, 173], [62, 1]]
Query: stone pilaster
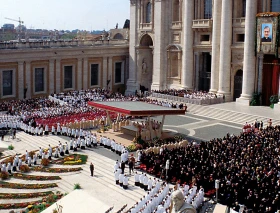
[[51, 76], [249, 51], [197, 63], [28, 79], [132, 52], [85, 74], [104, 73], [216, 46], [111, 72], [225, 49], [187, 71], [20, 82], [79, 74], [260, 77], [58, 74]]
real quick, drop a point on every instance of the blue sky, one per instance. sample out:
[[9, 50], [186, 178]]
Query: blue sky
[[66, 14]]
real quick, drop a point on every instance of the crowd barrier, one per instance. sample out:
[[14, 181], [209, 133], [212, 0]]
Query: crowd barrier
[[217, 100]]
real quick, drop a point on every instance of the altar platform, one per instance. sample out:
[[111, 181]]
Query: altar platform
[[129, 130]]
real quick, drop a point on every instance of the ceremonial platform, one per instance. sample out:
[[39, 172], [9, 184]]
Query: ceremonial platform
[[129, 130], [137, 108]]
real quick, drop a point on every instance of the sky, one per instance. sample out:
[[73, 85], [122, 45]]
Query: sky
[[66, 14]]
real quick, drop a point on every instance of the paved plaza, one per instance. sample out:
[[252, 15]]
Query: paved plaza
[[199, 123]]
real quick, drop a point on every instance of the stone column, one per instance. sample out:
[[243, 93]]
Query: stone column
[[187, 71], [28, 79], [132, 51], [159, 73], [225, 49], [104, 73], [85, 74], [260, 77], [216, 46], [51, 76], [20, 81], [111, 72], [79, 75], [249, 62], [58, 75]]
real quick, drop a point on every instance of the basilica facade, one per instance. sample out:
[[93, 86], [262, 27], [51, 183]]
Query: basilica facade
[[40, 68], [207, 45]]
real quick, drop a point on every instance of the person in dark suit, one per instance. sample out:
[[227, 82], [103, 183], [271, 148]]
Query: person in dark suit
[[91, 167], [266, 33]]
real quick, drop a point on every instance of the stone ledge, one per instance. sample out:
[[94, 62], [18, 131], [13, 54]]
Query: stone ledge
[[243, 101]]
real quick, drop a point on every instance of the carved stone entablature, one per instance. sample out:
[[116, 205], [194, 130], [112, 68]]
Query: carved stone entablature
[[237, 57]]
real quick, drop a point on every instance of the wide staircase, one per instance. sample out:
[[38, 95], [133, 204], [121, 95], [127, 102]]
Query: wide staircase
[[99, 186], [209, 111]]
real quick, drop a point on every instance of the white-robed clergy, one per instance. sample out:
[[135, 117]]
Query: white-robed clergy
[[136, 179], [125, 182], [66, 148], [121, 176]]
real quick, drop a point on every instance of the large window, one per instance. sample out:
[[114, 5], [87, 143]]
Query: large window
[[207, 9], [243, 8], [176, 8], [118, 72], [275, 6], [7, 82], [94, 74], [39, 80], [148, 12], [68, 77]]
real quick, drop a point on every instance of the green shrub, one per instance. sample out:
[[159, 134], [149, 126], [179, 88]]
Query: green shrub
[[11, 147], [77, 186]]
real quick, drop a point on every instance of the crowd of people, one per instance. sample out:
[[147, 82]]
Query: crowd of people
[[188, 94], [247, 165]]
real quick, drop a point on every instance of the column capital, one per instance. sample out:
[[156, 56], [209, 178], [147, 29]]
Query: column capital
[[261, 56], [20, 62]]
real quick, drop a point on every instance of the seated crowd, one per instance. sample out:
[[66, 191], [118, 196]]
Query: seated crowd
[[247, 166], [188, 94]]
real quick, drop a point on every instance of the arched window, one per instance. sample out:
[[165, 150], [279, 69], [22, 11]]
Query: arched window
[[207, 9], [243, 8], [275, 6], [176, 12], [148, 12], [118, 36]]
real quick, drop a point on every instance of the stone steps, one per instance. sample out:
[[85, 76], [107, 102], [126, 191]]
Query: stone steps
[[223, 114]]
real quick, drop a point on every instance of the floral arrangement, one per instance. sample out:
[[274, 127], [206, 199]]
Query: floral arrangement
[[26, 186], [35, 177], [75, 159], [34, 206], [24, 195], [4, 175], [8, 160], [55, 170], [45, 162], [131, 148], [24, 168]]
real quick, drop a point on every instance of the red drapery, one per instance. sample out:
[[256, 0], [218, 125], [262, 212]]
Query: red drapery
[[275, 78], [270, 80]]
